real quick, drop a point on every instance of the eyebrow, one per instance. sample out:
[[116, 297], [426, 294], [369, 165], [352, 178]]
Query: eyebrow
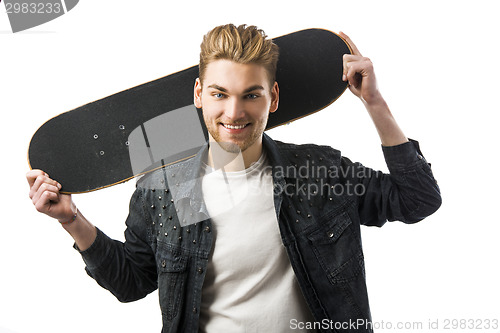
[[249, 89]]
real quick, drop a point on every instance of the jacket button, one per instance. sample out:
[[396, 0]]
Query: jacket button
[[330, 234], [200, 270], [163, 264]]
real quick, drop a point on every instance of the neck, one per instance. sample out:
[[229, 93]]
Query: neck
[[218, 158]]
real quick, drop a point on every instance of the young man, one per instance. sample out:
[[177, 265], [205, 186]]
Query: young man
[[229, 237]]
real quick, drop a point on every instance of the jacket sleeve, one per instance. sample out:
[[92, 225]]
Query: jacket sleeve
[[409, 193], [127, 270]]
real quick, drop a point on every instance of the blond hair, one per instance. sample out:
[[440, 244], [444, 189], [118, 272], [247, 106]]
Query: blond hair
[[243, 44]]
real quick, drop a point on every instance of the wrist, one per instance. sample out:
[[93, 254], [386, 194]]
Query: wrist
[[70, 220], [375, 103], [82, 231], [70, 215]]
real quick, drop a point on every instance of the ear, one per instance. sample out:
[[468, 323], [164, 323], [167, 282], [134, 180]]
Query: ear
[[275, 97], [197, 93]]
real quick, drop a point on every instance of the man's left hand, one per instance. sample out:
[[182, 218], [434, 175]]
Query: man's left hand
[[358, 71]]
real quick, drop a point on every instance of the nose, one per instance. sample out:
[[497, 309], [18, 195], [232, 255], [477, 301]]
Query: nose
[[235, 109]]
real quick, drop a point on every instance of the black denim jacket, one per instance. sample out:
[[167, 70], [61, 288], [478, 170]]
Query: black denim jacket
[[321, 199]]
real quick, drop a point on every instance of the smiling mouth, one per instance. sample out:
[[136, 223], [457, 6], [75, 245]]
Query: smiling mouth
[[229, 126]]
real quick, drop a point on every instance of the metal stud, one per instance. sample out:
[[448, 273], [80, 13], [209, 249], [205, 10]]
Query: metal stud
[[180, 237], [96, 136], [331, 234], [101, 152], [159, 215], [170, 217], [161, 225], [175, 227], [153, 206], [159, 198], [166, 234], [164, 207], [194, 241], [188, 231], [298, 212], [121, 127]]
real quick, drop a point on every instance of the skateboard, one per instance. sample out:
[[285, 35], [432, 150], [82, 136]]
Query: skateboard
[[135, 131]]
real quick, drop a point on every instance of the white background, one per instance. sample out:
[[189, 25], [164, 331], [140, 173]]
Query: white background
[[437, 65]]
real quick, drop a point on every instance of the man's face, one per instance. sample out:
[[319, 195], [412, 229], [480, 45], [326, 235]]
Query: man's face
[[236, 100]]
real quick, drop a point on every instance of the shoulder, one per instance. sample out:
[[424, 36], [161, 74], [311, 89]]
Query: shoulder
[[308, 153]]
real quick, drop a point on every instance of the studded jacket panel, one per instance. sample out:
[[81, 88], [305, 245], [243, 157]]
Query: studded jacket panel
[[321, 199]]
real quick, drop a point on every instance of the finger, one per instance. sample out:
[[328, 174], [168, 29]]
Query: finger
[[347, 61], [32, 175], [39, 181], [353, 77], [45, 201], [42, 191], [349, 42], [352, 58]]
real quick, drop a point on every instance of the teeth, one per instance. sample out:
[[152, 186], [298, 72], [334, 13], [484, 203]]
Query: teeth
[[233, 126]]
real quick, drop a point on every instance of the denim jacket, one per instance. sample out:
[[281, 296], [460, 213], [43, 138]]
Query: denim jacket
[[321, 199]]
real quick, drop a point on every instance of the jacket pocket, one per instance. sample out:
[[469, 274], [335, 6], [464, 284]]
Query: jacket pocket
[[172, 276], [337, 246]]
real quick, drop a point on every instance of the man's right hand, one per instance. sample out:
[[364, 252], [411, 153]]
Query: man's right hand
[[45, 195]]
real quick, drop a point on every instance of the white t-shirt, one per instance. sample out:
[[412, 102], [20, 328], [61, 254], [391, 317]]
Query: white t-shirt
[[250, 285]]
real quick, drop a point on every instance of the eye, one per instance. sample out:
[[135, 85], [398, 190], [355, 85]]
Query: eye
[[252, 96], [218, 95]]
